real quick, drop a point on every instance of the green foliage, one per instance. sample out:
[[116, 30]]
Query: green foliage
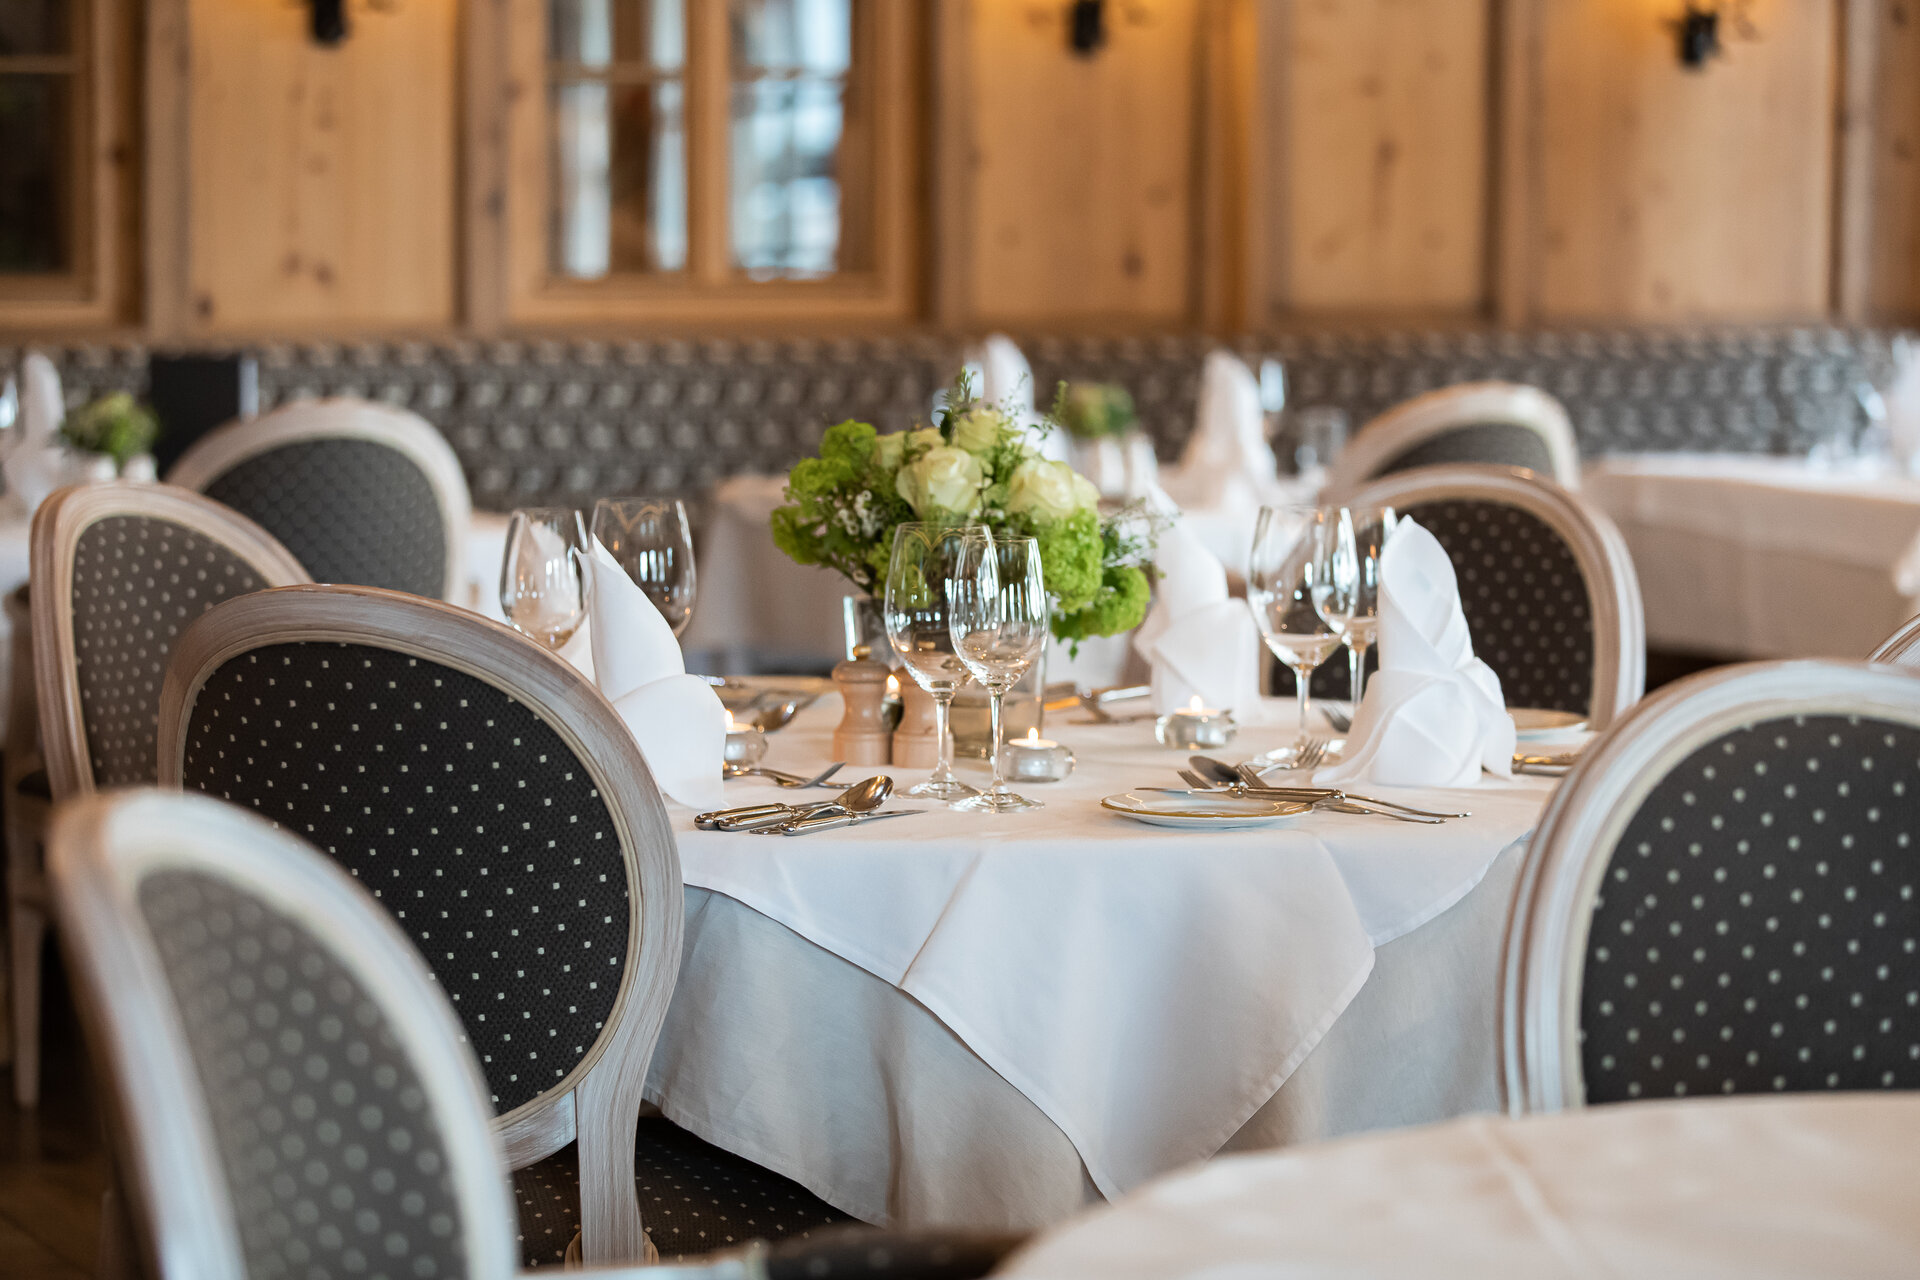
[[1094, 410], [116, 425], [1120, 605]]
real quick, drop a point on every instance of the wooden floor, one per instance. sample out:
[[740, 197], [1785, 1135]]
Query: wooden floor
[[53, 1164]]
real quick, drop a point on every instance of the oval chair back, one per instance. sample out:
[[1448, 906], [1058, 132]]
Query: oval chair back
[[1488, 424]]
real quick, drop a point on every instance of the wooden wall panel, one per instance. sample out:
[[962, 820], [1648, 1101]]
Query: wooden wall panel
[[1662, 194], [1879, 235], [1381, 151], [321, 192], [1079, 175]]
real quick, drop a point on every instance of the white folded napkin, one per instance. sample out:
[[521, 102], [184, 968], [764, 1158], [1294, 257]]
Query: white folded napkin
[[1903, 404], [676, 718], [1228, 449], [39, 464], [1433, 715], [1199, 642]]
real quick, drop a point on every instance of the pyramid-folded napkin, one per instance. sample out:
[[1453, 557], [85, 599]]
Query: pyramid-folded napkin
[[1433, 715]]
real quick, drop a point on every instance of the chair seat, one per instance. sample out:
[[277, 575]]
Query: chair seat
[[694, 1199]]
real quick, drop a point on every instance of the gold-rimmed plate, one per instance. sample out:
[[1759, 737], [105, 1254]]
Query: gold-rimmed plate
[[1536, 724], [1221, 813]]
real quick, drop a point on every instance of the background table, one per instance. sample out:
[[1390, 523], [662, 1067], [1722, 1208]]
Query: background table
[[1755, 557], [1810, 1185], [989, 1020]]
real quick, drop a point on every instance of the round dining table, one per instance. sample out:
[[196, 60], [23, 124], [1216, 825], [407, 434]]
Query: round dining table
[[993, 1020], [1800, 1185]]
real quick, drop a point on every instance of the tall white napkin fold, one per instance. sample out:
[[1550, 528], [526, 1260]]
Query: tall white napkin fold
[[1198, 641], [39, 463], [1903, 404], [676, 718], [1227, 457], [1433, 715]]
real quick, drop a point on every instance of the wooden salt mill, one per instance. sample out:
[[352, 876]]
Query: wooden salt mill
[[861, 738], [914, 743]]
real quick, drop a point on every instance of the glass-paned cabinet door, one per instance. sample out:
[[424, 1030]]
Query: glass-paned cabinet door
[[40, 74]]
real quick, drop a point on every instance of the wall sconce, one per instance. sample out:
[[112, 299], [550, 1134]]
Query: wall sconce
[[1699, 29], [1086, 26], [328, 24]]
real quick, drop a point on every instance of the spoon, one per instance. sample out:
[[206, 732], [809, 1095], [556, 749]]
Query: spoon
[[855, 802], [862, 797], [1226, 775]]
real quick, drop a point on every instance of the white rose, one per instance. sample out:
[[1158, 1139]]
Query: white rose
[[945, 480], [1048, 490], [978, 429], [924, 438], [888, 450]]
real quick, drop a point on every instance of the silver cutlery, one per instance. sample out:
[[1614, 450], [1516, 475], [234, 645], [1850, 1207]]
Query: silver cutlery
[[791, 780], [832, 821], [1248, 776], [1338, 721], [1338, 802], [862, 796]]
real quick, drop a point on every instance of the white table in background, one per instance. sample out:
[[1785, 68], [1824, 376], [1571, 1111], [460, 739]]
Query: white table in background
[[993, 1020], [1807, 1185], [1758, 557]]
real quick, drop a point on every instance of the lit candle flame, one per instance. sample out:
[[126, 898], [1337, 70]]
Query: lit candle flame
[[1033, 737], [893, 686], [731, 726], [1196, 705]]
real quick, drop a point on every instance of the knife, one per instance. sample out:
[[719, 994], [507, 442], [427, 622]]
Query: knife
[[828, 821]]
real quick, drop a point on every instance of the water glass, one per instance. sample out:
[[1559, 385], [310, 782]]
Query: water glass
[[652, 539], [1319, 433], [915, 609], [543, 589], [1347, 595], [1293, 553], [998, 612]]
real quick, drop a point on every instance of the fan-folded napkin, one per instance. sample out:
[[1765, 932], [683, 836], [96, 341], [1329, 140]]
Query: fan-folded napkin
[[1199, 642], [676, 718], [1433, 715]]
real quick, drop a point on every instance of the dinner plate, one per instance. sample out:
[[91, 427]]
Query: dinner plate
[[1535, 724], [1221, 813], [739, 691]]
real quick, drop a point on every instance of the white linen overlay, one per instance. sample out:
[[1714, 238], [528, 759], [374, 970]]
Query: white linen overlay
[[1199, 642], [676, 718], [1433, 715]]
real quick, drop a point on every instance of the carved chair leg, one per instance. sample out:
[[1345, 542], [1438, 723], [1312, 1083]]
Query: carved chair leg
[[26, 935], [610, 1226]]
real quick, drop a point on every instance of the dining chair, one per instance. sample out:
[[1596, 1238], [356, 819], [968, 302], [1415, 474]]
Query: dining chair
[[494, 802], [288, 1086], [361, 492], [1500, 424], [1549, 591], [1902, 648], [1721, 897], [118, 570]]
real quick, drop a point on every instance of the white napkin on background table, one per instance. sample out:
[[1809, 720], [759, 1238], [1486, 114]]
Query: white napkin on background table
[[676, 718], [1227, 459], [39, 463], [1433, 715], [1199, 641]]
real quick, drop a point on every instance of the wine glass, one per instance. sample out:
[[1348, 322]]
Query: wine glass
[[915, 609], [997, 610], [1347, 595], [1292, 551], [543, 588], [652, 540]]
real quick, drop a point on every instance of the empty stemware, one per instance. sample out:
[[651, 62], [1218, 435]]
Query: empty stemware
[[998, 612], [652, 539], [543, 590], [1292, 551], [1347, 596], [915, 609]]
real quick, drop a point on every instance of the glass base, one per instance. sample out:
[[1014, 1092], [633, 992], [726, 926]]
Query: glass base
[[942, 789], [996, 802]]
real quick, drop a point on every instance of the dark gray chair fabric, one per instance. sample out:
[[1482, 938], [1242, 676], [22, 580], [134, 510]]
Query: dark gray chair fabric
[[352, 511], [1757, 929], [330, 1150], [1495, 444], [137, 583], [463, 812]]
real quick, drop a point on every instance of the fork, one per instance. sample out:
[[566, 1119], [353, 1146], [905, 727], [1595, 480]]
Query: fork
[[1340, 805], [790, 780], [1310, 753]]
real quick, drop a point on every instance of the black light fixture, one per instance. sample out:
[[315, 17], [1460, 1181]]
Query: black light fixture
[[1702, 28], [1086, 26], [329, 21]]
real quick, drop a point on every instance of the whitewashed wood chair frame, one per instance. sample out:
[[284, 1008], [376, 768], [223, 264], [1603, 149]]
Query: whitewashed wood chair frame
[[337, 418], [103, 847], [1902, 648], [1613, 589], [1436, 413], [1545, 953], [598, 1101]]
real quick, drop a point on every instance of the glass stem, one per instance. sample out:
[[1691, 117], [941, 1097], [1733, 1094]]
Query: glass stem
[[1356, 667], [994, 697], [1301, 697], [943, 768]]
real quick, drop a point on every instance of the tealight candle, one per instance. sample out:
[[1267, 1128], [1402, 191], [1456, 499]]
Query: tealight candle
[[745, 743], [1035, 759], [1196, 727]]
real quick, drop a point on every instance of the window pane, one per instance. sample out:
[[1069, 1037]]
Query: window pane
[[35, 173], [619, 175], [630, 33], [33, 26], [815, 36], [786, 195]]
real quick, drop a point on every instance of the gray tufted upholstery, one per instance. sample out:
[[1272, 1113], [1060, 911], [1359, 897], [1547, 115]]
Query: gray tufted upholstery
[[137, 582], [1498, 444], [694, 1197], [463, 812], [1757, 928], [351, 511], [322, 1127]]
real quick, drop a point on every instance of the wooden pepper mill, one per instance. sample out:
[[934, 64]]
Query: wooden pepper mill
[[914, 743], [861, 738]]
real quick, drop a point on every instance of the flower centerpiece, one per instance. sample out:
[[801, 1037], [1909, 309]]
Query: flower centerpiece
[[1095, 410], [115, 426], [977, 464]]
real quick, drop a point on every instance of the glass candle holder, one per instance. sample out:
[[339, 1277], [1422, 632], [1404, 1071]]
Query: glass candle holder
[[746, 744], [1035, 759], [1196, 728]]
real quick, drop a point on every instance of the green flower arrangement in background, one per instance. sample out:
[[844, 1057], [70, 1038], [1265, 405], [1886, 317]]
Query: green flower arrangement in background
[[116, 425], [1094, 410], [975, 465]]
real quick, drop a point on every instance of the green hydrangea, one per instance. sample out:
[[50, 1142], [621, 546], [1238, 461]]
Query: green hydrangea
[[1120, 605], [1070, 557]]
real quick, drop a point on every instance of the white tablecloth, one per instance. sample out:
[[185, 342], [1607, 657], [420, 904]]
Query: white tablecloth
[[1146, 990], [1753, 557], [1800, 1186]]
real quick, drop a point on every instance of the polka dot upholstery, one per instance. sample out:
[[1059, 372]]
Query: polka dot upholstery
[[352, 511], [694, 1198], [322, 1128], [137, 583], [1527, 605], [464, 813], [1495, 444], [1757, 928]]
